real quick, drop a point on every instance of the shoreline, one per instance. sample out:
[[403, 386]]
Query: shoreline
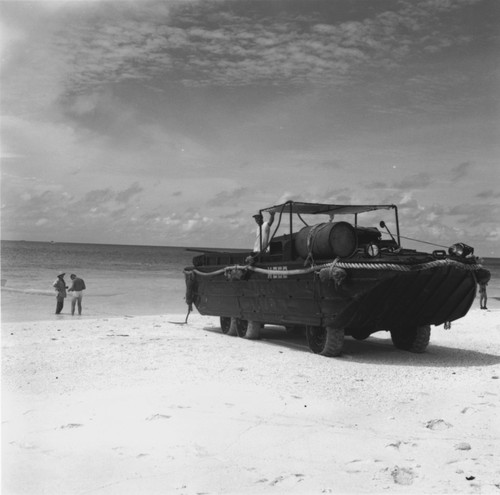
[[174, 303], [140, 404]]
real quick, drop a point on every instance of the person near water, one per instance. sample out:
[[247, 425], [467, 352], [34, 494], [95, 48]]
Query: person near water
[[60, 287], [483, 297], [76, 289], [265, 228], [483, 277]]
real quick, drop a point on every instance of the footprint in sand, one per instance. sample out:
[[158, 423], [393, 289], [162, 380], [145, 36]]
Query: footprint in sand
[[24, 445], [360, 465], [402, 476], [397, 445], [438, 424], [158, 416], [280, 479], [468, 410]]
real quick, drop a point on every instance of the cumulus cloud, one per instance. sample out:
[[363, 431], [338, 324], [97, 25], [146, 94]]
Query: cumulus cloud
[[461, 171], [489, 194], [416, 181], [227, 197], [124, 196], [207, 43]]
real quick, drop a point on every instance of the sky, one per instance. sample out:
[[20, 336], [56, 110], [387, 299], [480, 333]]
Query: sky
[[172, 122]]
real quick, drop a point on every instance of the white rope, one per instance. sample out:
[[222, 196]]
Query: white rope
[[346, 265]]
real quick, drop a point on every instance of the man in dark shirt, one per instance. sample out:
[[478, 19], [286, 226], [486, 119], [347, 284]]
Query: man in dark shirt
[[76, 289], [60, 287]]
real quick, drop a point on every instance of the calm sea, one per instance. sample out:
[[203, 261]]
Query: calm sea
[[121, 280]]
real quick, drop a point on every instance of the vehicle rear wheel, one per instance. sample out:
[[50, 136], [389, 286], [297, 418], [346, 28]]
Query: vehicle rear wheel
[[326, 341], [413, 339], [225, 324], [241, 327]]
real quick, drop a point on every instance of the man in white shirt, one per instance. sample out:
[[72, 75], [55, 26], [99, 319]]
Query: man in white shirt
[[265, 227]]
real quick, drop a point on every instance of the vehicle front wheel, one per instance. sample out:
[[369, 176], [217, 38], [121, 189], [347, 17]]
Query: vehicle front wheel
[[413, 339], [225, 324], [326, 341], [241, 327]]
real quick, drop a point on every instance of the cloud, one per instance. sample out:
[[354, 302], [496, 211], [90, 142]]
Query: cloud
[[416, 181], [228, 197], [489, 194], [460, 171], [124, 196], [476, 214], [221, 43], [98, 197]]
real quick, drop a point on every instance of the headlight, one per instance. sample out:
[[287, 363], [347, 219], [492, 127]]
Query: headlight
[[461, 249], [372, 250]]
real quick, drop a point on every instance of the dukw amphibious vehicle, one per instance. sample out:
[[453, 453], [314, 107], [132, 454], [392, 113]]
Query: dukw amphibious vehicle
[[335, 270]]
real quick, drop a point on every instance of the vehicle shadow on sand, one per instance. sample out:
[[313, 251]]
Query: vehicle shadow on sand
[[382, 351]]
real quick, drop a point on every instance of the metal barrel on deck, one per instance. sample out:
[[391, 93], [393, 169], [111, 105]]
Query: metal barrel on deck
[[329, 240], [326, 240]]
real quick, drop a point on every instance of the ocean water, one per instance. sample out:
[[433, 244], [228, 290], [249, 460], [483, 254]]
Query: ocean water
[[121, 280]]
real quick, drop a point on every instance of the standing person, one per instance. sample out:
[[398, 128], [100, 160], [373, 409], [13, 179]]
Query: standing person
[[483, 297], [60, 286], [265, 227], [76, 289], [483, 277]]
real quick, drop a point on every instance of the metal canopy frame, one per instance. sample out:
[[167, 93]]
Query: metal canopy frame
[[323, 208], [298, 208]]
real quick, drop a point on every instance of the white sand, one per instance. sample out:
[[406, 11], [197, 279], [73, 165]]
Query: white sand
[[143, 406]]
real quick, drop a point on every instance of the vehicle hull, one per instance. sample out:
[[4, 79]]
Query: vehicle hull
[[366, 300]]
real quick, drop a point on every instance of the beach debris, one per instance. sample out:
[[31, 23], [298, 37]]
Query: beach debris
[[470, 478], [438, 424], [463, 446], [402, 476]]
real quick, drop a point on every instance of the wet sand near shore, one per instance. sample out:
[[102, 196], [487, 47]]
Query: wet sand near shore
[[149, 405]]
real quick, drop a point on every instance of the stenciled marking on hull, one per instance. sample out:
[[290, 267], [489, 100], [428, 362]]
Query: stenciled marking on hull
[[281, 272]]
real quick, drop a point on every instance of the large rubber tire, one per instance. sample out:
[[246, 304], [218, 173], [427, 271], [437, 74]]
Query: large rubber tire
[[326, 341], [413, 339], [225, 324], [241, 327], [253, 330]]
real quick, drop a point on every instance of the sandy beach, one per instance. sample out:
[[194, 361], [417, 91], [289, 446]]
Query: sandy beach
[[144, 405]]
